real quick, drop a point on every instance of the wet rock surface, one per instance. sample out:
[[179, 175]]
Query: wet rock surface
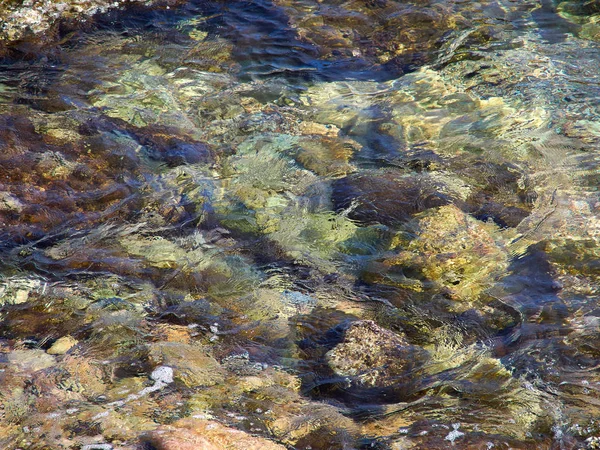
[[39, 20], [196, 433], [305, 225], [434, 257], [372, 355], [398, 36]]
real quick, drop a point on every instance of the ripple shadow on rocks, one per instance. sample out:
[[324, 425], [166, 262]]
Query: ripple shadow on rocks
[[386, 197]]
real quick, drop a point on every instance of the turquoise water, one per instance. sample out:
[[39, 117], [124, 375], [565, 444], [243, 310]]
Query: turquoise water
[[363, 224]]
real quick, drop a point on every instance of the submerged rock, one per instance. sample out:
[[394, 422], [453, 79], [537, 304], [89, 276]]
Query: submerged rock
[[499, 192], [30, 360], [391, 33], [457, 253], [371, 355], [326, 156], [195, 434], [585, 13], [173, 146], [206, 202], [189, 364], [62, 345], [212, 55]]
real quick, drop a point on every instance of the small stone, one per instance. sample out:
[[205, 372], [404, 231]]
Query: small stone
[[162, 374], [62, 345]]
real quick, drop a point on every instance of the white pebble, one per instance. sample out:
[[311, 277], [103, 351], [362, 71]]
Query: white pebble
[[97, 447], [454, 434], [162, 374]]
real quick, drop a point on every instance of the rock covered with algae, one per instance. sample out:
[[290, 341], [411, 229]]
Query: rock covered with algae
[[192, 366], [269, 193], [248, 227], [387, 197], [458, 144], [447, 247], [371, 355], [265, 399], [326, 156], [584, 13]]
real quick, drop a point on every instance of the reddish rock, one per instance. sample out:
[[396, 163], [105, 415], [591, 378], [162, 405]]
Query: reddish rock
[[201, 434]]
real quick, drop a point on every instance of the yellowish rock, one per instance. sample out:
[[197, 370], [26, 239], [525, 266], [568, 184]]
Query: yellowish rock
[[21, 296], [298, 420], [192, 365], [85, 376], [127, 425], [454, 250], [319, 129], [327, 156], [376, 356], [62, 345]]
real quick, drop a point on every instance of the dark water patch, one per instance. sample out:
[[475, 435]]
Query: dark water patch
[[532, 289], [39, 322], [501, 193], [551, 26], [168, 145], [386, 197]]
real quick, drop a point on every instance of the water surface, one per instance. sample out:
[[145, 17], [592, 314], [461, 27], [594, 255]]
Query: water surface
[[363, 224]]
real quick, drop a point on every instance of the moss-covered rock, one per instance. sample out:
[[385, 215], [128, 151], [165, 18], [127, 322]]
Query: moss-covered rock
[[449, 248], [192, 365]]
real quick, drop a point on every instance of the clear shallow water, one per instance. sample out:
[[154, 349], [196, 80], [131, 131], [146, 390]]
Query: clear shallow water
[[341, 225]]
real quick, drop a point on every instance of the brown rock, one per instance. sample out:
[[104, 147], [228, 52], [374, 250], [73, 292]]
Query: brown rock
[[374, 355], [458, 253], [326, 156], [197, 434]]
